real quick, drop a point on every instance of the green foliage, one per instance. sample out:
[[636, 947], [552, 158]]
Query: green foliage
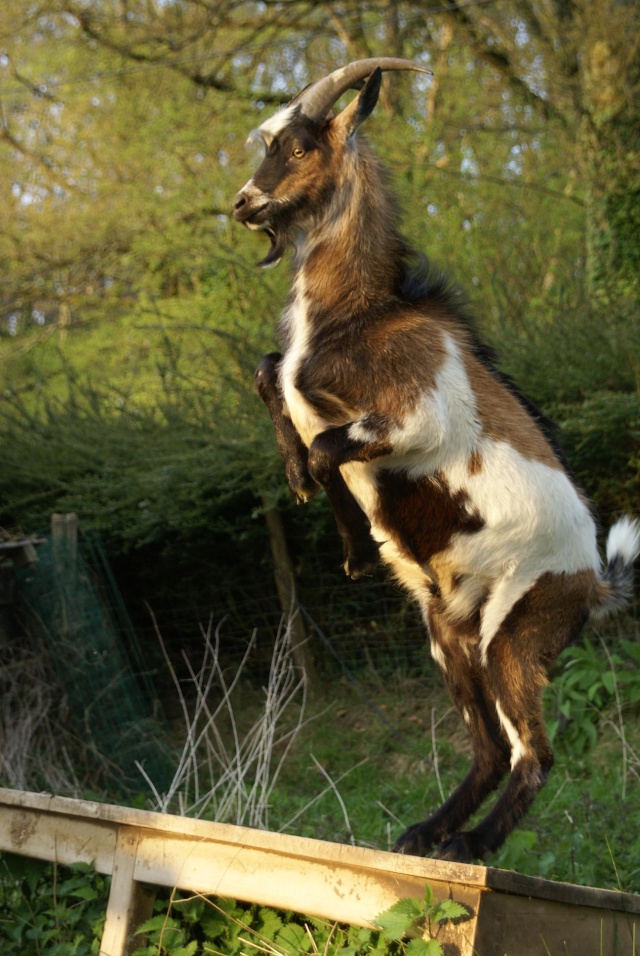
[[586, 688], [581, 830], [417, 920], [49, 909], [184, 925], [131, 313], [198, 923], [581, 365], [601, 436]]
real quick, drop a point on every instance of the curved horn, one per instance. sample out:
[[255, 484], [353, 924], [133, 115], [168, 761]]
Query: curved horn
[[317, 99]]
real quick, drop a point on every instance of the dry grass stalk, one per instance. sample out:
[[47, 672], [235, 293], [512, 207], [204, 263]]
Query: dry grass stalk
[[230, 776]]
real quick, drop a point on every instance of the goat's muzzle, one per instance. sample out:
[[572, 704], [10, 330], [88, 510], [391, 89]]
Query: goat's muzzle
[[248, 206], [251, 207]]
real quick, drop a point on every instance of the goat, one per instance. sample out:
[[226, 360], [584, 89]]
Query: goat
[[432, 461]]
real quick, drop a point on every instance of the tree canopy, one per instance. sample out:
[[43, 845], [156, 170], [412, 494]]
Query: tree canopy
[[131, 312]]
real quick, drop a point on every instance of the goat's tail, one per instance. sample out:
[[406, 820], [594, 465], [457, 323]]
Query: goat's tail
[[616, 581]]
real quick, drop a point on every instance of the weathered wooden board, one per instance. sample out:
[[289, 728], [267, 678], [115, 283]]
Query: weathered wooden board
[[516, 925], [509, 914]]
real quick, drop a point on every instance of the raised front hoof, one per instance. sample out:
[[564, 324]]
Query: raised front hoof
[[459, 848], [416, 840], [361, 559], [302, 485], [266, 373]]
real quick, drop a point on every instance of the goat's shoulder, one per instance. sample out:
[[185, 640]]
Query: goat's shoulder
[[505, 413]]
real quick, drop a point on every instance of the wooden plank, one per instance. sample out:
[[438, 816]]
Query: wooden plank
[[508, 881], [522, 926], [57, 838], [334, 889], [117, 932], [502, 880], [223, 833]]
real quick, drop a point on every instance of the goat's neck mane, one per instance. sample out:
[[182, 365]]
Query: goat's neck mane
[[349, 258]]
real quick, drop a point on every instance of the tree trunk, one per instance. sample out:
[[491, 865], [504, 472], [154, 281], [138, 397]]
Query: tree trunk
[[609, 149]]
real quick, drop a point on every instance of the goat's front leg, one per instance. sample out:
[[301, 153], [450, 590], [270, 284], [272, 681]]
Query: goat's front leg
[[328, 451], [293, 450]]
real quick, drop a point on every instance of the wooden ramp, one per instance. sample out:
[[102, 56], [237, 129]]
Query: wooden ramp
[[510, 914]]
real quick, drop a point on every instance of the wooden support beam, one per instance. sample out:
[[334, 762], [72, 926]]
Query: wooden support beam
[[120, 924]]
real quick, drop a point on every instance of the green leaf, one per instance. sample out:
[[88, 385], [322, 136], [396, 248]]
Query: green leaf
[[165, 928], [429, 898], [188, 950], [423, 947], [86, 893], [24, 869], [294, 938], [447, 909], [270, 923], [213, 926], [190, 909], [609, 681], [399, 918], [591, 733]]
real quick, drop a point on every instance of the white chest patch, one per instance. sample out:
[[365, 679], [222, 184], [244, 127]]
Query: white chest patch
[[307, 422]]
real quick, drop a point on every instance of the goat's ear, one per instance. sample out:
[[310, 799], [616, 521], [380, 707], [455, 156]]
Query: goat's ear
[[361, 107]]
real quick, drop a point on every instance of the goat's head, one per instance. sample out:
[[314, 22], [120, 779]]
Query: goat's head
[[304, 145]]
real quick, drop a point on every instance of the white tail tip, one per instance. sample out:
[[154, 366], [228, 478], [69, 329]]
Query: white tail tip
[[623, 541]]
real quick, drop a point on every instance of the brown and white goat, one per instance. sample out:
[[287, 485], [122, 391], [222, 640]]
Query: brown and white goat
[[431, 460]]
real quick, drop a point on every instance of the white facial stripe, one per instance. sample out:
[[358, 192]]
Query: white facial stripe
[[251, 191], [276, 123]]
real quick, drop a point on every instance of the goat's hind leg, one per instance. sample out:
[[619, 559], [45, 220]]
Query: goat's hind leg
[[456, 652], [551, 614], [519, 706], [292, 449]]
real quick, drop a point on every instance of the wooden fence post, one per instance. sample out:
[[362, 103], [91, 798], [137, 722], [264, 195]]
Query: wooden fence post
[[284, 577], [64, 544]]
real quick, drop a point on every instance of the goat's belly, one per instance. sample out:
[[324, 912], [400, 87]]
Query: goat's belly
[[533, 516], [530, 521]]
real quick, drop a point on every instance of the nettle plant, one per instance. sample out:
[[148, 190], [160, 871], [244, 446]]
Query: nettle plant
[[196, 923]]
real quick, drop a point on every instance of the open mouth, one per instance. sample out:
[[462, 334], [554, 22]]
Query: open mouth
[[257, 219], [276, 250]]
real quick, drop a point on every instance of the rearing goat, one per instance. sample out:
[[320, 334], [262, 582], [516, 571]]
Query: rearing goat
[[431, 460]]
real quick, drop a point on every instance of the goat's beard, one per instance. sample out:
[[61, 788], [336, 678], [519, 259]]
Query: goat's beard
[[278, 240]]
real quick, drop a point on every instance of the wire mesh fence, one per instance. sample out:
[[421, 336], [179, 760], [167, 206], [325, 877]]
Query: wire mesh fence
[[77, 618], [105, 675]]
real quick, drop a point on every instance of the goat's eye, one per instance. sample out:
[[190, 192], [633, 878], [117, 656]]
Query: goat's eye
[[298, 152]]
